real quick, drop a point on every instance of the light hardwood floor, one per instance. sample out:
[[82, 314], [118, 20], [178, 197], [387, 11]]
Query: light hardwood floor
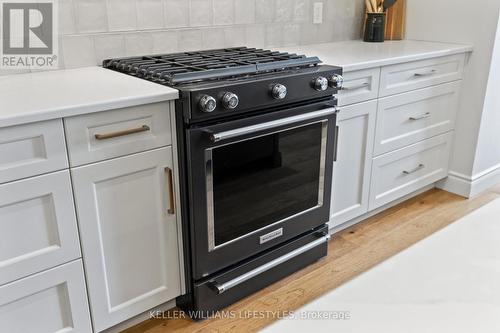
[[351, 252]]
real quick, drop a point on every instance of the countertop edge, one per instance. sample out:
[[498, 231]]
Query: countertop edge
[[403, 59], [57, 113]]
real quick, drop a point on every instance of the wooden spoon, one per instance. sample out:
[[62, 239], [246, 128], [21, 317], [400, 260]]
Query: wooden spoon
[[369, 8]]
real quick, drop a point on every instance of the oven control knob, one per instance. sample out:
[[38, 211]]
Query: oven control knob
[[230, 101], [337, 81], [320, 83], [279, 91], [207, 103]]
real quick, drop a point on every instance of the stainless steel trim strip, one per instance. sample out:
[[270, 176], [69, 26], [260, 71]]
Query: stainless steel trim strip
[[210, 188], [220, 288], [216, 137], [210, 199]]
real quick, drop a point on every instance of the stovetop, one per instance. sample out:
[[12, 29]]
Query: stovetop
[[202, 66]]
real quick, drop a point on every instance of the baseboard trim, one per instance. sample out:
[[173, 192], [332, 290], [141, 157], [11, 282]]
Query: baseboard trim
[[485, 181], [456, 183], [469, 187]]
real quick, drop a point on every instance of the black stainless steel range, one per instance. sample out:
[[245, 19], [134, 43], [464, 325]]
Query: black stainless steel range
[[256, 135]]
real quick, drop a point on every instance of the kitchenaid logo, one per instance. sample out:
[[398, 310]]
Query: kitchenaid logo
[[29, 34], [270, 236]]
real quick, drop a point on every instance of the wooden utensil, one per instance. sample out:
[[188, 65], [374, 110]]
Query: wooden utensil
[[374, 5], [369, 8], [396, 21]]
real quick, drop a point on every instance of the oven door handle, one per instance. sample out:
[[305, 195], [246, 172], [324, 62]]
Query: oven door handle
[[223, 287], [217, 137]]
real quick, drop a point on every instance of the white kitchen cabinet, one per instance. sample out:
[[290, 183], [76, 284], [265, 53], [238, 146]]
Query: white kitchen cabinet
[[411, 117], [53, 301], [104, 135], [38, 227], [399, 78], [359, 86], [32, 149], [128, 233], [351, 171], [406, 170]]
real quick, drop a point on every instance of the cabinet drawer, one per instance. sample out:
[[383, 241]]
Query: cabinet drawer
[[411, 117], [32, 149], [109, 134], [359, 86], [403, 171], [420, 74], [51, 301], [38, 227]]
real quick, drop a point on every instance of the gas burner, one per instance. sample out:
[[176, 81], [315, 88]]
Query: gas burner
[[190, 67]]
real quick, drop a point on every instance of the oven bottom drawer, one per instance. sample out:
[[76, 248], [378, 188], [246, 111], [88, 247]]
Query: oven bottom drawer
[[219, 291]]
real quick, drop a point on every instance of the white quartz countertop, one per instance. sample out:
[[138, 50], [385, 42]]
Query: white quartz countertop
[[41, 96], [357, 55]]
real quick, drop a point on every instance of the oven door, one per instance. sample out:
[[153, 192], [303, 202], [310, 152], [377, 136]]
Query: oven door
[[257, 182]]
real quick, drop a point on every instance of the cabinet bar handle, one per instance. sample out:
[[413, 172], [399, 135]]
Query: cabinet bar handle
[[359, 86], [171, 202], [409, 172], [425, 74], [425, 115], [143, 128]]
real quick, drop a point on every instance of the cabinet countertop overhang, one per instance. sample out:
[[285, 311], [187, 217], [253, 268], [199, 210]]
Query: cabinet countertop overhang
[[358, 55], [32, 97]]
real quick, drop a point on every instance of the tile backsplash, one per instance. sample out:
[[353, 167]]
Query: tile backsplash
[[93, 30]]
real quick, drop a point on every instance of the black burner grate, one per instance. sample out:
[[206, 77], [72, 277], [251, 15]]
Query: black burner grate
[[188, 67]]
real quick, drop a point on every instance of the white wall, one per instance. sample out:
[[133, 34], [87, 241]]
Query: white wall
[[475, 22], [488, 148], [93, 30]]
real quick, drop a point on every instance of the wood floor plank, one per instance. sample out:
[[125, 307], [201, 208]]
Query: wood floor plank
[[351, 252]]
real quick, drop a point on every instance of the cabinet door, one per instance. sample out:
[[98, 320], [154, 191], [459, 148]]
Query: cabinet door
[[37, 225], [351, 171], [53, 301], [128, 234]]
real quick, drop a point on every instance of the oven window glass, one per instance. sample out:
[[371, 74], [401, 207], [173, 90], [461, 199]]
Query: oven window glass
[[264, 180]]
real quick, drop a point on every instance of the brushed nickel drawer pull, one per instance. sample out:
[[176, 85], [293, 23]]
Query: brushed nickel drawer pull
[[423, 116], [409, 172], [359, 86], [425, 74], [171, 202], [143, 128]]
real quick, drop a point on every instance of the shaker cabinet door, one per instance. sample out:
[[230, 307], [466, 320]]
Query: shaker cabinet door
[[129, 234], [351, 171]]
